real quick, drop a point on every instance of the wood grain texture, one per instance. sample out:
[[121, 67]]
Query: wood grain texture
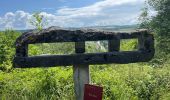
[[70, 35], [90, 59], [145, 48]]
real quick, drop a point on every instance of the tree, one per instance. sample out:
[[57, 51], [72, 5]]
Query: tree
[[38, 21], [160, 26], [144, 20]]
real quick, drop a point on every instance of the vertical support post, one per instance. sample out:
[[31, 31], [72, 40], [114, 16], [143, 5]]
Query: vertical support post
[[81, 74], [114, 45], [22, 51], [141, 42]]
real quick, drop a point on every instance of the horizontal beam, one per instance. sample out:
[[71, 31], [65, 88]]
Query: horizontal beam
[[90, 58], [52, 35], [145, 53]]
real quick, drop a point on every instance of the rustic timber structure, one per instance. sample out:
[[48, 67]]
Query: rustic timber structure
[[144, 53], [82, 60], [145, 47]]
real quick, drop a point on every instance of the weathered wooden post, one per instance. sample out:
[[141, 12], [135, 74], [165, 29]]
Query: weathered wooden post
[[114, 45], [81, 60], [81, 73]]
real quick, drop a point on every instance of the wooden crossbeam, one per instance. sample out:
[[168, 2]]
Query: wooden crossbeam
[[52, 35], [91, 58], [144, 53]]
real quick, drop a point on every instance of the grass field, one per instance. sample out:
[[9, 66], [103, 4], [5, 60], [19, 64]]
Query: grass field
[[139, 81]]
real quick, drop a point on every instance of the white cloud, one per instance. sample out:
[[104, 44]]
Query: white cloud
[[17, 20], [106, 12], [48, 9], [95, 8]]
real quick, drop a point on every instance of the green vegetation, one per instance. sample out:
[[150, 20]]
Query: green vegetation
[[160, 26], [7, 49], [38, 21], [140, 81], [120, 82]]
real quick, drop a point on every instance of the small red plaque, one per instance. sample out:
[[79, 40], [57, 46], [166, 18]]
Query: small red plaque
[[92, 92]]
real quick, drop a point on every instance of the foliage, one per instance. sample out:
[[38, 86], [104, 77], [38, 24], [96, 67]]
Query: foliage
[[38, 21], [160, 26], [7, 50], [120, 82], [53, 48], [144, 19], [33, 84]]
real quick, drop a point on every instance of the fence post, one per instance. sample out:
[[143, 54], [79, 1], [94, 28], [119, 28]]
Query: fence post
[[81, 74], [114, 45]]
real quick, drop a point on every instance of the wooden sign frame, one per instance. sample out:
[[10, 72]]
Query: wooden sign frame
[[144, 53]]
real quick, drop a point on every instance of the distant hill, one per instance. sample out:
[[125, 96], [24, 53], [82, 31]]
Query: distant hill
[[111, 27], [103, 28], [22, 31], [116, 27]]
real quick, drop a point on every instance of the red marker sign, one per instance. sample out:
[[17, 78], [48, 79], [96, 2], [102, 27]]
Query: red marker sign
[[92, 92]]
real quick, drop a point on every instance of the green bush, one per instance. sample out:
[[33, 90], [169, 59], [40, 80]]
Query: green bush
[[7, 49]]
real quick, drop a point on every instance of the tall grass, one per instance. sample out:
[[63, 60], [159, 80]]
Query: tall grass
[[120, 82], [139, 81]]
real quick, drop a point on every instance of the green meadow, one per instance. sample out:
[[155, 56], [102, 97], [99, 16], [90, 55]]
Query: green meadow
[[138, 81]]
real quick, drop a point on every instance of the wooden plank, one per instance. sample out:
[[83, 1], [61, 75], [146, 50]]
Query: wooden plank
[[66, 35], [81, 74], [145, 52], [123, 57]]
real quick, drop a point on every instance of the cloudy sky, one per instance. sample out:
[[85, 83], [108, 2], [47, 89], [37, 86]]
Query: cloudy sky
[[69, 13]]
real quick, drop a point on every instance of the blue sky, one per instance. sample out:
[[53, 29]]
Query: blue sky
[[40, 5], [69, 13]]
